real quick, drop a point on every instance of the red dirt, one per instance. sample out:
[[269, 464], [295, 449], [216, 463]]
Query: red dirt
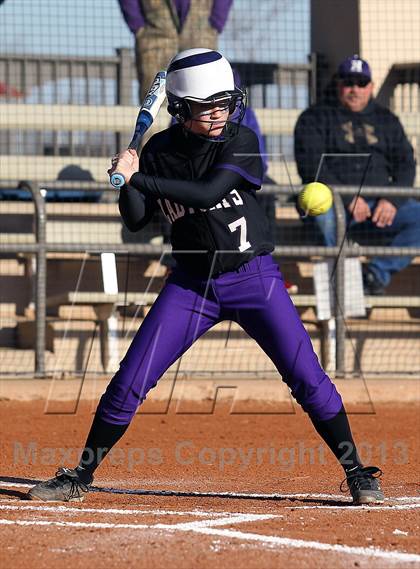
[[33, 444]]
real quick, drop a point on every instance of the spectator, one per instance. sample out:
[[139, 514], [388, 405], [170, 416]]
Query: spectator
[[357, 125], [74, 173], [164, 27]]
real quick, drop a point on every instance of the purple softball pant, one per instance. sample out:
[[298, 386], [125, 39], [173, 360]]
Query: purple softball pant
[[255, 297]]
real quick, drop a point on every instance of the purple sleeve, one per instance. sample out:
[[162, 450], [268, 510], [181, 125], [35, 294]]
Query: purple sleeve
[[219, 14], [241, 154], [132, 14], [250, 120]]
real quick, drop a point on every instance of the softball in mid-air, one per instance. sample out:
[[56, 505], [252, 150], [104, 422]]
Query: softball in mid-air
[[315, 198]]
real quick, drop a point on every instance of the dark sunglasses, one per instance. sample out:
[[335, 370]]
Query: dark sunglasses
[[351, 82]]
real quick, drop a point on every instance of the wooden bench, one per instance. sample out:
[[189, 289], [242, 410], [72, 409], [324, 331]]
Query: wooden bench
[[104, 306], [411, 303], [305, 301]]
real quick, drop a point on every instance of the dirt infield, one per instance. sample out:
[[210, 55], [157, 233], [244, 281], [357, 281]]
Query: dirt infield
[[209, 490]]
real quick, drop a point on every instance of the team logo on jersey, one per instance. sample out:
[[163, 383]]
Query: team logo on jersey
[[173, 211]]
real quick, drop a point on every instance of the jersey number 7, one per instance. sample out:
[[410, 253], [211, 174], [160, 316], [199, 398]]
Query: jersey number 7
[[241, 225]]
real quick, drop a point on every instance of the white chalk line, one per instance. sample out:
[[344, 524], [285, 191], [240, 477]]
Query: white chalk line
[[236, 516], [352, 508], [96, 525], [229, 520], [207, 527], [188, 526], [5, 505], [198, 527], [117, 511], [301, 544]]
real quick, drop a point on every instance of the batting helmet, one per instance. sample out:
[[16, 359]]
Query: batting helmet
[[202, 76]]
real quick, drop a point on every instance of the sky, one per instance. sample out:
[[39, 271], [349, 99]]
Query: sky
[[260, 31]]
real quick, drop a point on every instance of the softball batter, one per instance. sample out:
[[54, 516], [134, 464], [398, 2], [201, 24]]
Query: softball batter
[[203, 173]]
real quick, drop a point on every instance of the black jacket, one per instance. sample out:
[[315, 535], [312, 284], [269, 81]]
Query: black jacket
[[332, 129]]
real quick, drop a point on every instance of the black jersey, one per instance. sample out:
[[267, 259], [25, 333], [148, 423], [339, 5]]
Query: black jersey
[[217, 224]]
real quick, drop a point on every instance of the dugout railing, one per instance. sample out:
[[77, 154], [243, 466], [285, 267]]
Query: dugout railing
[[41, 246]]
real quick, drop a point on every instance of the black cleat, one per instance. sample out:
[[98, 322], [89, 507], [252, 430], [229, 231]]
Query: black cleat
[[364, 485], [66, 486], [371, 284]]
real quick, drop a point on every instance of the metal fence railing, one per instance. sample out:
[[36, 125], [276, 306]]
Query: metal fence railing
[[68, 101], [110, 81], [41, 246]]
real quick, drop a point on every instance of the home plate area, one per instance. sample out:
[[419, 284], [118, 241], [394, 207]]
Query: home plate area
[[151, 529], [192, 514]]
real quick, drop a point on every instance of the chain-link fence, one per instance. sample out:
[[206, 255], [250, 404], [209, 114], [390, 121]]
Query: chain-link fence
[[69, 93]]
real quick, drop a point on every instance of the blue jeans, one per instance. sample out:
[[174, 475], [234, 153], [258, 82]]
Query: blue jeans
[[404, 232]]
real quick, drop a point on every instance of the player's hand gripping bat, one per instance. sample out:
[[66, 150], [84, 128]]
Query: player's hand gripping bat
[[145, 118]]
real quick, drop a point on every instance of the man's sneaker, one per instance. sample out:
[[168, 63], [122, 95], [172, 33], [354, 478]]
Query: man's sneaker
[[371, 285], [66, 486], [291, 288], [364, 485]]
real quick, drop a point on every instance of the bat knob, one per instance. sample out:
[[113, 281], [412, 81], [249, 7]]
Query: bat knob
[[117, 180]]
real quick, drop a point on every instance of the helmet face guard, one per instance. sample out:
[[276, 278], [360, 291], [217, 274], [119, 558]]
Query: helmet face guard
[[233, 101]]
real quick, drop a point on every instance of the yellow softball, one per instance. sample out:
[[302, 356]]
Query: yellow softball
[[315, 198]]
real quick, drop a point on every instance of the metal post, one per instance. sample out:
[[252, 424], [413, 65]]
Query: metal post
[[339, 282], [41, 276], [312, 83], [124, 77]]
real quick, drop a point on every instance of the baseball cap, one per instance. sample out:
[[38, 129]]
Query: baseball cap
[[354, 66]]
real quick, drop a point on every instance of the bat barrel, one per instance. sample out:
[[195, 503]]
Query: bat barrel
[[147, 114], [145, 120]]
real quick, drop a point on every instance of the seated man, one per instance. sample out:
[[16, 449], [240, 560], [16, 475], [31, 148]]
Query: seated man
[[355, 141]]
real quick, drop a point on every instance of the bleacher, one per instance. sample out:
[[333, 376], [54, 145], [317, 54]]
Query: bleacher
[[77, 232], [120, 119]]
